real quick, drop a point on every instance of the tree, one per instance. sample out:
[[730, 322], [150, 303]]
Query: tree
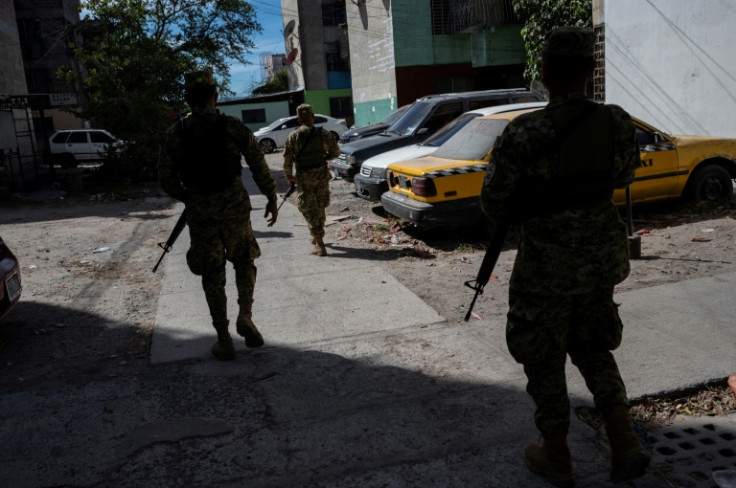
[[136, 52], [543, 16], [279, 83]]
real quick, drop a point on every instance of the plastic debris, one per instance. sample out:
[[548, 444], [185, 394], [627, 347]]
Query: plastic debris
[[101, 249], [701, 239]]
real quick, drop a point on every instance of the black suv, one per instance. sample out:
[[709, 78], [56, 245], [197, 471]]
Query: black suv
[[370, 130], [424, 117]]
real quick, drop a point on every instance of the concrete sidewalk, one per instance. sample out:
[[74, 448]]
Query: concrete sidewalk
[[344, 316]]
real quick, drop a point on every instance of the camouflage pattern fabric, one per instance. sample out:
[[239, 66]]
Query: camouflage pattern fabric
[[313, 187], [561, 290], [542, 330], [573, 250], [219, 224]]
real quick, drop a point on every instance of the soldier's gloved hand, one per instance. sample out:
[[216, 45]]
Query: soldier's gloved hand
[[273, 210]]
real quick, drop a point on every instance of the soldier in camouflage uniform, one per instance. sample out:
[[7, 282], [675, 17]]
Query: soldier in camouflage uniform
[[201, 166], [552, 173], [309, 148]]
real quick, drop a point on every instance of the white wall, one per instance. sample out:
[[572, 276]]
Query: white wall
[[672, 63]]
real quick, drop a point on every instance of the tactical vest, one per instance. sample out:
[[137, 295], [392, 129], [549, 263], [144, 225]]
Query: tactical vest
[[584, 171], [205, 165], [312, 154]]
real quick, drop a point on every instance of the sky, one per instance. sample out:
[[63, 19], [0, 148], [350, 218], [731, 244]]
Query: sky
[[270, 40]]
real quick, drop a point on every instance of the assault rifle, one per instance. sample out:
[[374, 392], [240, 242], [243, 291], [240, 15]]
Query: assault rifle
[[166, 246], [489, 262], [291, 190]]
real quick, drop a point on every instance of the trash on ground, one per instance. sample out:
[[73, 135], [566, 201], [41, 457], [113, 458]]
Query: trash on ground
[[701, 239], [101, 249]]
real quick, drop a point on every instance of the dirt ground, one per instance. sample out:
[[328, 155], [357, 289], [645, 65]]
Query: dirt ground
[[89, 296]]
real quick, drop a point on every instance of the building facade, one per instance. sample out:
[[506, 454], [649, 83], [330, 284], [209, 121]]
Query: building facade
[[317, 54], [405, 49], [670, 62]]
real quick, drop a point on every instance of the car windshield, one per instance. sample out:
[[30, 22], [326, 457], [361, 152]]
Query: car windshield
[[448, 130], [474, 141], [412, 119], [394, 116]]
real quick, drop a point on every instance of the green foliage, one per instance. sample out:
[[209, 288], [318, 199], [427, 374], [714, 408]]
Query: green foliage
[[543, 16], [279, 83], [135, 54]]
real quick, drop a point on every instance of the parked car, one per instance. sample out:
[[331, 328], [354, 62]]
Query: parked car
[[443, 188], [372, 129], [10, 283], [69, 147], [371, 182], [274, 136], [426, 116]]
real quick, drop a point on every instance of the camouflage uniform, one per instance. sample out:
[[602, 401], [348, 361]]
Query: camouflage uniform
[[313, 184], [569, 259], [219, 224]]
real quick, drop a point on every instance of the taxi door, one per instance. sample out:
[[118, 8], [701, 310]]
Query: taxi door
[[657, 174]]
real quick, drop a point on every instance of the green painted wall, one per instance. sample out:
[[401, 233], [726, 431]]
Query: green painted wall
[[498, 47], [412, 22], [368, 113], [452, 49], [320, 99]]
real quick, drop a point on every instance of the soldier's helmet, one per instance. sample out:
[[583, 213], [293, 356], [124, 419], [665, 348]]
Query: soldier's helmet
[[570, 41], [198, 79], [304, 109]]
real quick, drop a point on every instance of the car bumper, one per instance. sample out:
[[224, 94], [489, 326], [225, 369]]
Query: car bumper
[[344, 170], [370, 188], [456, 212]]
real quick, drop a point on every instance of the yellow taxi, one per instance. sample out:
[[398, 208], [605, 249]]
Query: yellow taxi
[[443, 188]]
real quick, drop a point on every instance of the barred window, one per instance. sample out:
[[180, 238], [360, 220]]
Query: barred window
[[460, 16]]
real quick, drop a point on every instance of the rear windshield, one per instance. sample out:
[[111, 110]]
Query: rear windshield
[[473, 141]]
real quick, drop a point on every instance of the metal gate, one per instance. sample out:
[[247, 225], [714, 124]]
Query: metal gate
[[22, 165]]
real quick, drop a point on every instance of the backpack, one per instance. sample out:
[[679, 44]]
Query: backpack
[[205, 165]]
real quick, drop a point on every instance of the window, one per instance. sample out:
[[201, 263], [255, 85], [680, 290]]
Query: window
[[475, 104], [460, 16], [442, 115], [334, 13], [100, 137], [77, 138], [253, 116], [60, 138]]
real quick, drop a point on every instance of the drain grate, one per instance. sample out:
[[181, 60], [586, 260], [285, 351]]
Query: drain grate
[[688, 452]]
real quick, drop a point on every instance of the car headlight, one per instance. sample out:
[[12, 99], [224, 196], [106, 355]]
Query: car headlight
[[378, 173], [352, 160]]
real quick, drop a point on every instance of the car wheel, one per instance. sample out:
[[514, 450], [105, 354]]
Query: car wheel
[[67, 161], [267, 146], [710, 183]]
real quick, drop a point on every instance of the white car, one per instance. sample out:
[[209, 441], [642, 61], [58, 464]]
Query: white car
[[70, 146], [371, 182], [274, 135]]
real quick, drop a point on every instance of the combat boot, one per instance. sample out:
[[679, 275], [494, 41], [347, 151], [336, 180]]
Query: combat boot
[[247, 329], [629, 459], [551, 460], [223, 349], [319, 246]]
